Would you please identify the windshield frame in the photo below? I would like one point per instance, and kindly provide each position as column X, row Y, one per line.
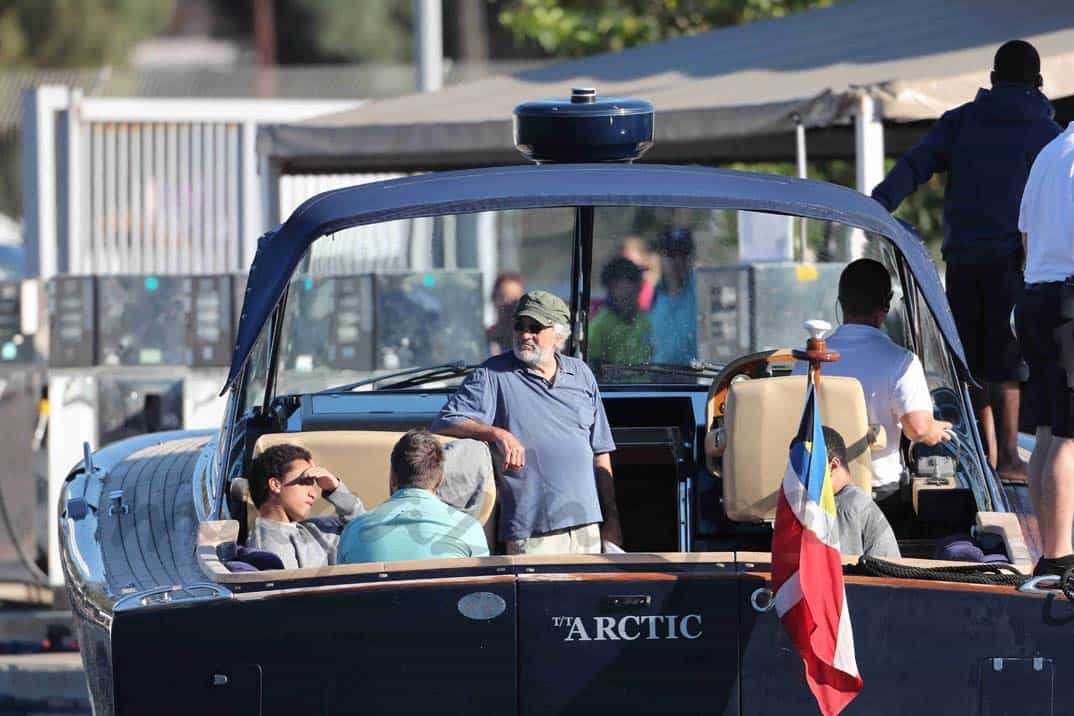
column 569, row 186
column 581, row 283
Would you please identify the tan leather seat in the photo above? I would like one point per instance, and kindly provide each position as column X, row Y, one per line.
column 761, row 417
column 360, row 458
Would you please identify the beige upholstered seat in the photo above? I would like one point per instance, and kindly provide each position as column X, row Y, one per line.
column 761, row 418
column 360, row 458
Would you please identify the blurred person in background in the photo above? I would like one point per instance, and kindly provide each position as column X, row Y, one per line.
column 506, row 291
column 674, row 313
column 620, row 333
column 637, row 250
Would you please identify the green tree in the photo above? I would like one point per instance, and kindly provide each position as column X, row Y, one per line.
column 574, row 28
column 76, row 33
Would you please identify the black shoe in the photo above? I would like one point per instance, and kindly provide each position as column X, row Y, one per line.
column 1054, row 565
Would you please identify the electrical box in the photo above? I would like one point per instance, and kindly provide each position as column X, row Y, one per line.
column 752, row 307
column 164, row 320
column 72, row 321
column 429, row 317
column 336, row 328
column 14, row 346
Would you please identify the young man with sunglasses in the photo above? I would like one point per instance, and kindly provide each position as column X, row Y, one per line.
column 284, row 485
column 542, row 412
column 896, row 393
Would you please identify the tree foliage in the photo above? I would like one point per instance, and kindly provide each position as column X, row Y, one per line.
column 76, row 33
column 343, row 30
column 573, row 28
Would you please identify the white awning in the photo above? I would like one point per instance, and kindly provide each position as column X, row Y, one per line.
column 723, row 95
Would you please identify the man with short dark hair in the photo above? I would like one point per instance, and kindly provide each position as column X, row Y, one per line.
column 414, row 523
column 284, row 484
column 619, row 333
column 542, row 412
column 987, row 147
column 896, row 394
column 863, row 529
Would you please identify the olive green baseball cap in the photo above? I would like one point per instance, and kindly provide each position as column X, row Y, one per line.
column 544, row 307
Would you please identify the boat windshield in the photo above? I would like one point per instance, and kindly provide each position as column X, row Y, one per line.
column 675, row 293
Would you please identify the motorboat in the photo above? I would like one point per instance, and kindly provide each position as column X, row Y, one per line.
column 342, row 359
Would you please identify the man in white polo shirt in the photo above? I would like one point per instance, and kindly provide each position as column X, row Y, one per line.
column 1046, row 333
column 896, row 393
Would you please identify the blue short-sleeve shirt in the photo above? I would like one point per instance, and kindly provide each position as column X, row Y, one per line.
column 562, row 425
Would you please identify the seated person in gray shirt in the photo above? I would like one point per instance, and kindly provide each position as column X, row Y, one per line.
column 284, row 484
column 863, row 529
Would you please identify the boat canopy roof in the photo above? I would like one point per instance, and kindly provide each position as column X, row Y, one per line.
column 566, row 185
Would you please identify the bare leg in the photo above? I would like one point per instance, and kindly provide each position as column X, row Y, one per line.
column 982, row 407
column 1057, row 497
column 1005, row 398
column 1037, row 461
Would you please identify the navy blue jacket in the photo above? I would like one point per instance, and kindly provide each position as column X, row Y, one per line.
column 987, row 147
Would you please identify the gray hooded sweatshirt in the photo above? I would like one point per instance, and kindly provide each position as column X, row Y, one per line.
column 311, row 542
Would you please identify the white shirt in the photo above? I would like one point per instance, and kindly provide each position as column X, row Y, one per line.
column 893, row 382
column 1047, row 213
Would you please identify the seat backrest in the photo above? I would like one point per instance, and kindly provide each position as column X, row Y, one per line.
column 761, row 417
column 361, row 458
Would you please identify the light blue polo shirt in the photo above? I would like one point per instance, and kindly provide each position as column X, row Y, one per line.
column 561, row 424
column 412, row 524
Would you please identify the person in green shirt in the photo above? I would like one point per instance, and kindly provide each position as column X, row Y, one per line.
column 414, row 523
column 619, row 333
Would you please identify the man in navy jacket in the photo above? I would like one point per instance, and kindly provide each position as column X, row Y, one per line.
column 987, row 147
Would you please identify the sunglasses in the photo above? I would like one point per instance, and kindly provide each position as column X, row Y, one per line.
column 524, row 326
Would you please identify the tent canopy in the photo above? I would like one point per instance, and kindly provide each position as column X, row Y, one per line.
column 723, row 95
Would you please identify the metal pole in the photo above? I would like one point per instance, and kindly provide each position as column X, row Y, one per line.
column 800, row 152
column 430, row 45
column 869, row 155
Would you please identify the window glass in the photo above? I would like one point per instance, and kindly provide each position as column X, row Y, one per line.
column 437, row 290
column 674, row 288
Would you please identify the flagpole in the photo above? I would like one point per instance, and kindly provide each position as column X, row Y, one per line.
column 816, row 351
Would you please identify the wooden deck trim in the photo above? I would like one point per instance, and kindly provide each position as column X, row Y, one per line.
column 212, row 534
column 476, row 581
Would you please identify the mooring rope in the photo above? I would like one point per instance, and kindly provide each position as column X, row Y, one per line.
column 988, row 573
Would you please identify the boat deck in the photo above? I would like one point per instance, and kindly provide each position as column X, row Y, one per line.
column 151, row 543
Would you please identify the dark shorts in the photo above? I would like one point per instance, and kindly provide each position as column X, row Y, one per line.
column 982, row 298
column 1047, row 394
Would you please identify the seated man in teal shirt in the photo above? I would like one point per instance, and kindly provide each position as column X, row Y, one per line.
column 414, row 523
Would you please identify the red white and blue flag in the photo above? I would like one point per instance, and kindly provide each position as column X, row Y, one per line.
column 807, row 570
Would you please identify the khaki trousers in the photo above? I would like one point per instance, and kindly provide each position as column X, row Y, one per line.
column 584, row 539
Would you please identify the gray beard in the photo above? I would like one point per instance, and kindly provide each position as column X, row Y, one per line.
column 533, row 358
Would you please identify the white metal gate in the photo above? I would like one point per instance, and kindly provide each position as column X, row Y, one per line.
column 146, row 185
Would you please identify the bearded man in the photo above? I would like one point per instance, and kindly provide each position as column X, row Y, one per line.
column 541, row 413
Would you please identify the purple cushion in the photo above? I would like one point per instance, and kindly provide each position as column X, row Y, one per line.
column 258, row 558
column 237, row 566
column 996, row 558
column 960, row 550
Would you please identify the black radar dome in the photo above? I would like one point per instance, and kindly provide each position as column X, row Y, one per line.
column 584, row 128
